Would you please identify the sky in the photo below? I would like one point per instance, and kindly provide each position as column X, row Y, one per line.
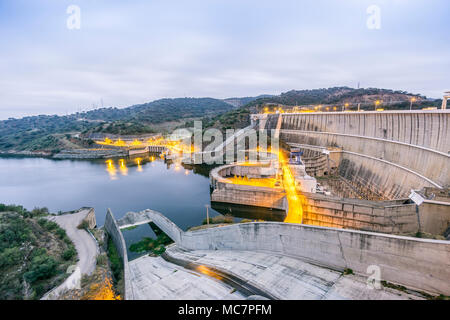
column 131, row 52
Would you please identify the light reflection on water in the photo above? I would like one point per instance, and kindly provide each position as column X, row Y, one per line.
column 125, row 184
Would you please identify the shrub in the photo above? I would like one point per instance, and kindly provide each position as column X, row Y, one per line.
column 39, row 212
column 51, row 226
column 115, row 260
column 10, row 256
column 42, row 267
column 102, row 260
column 83, row 225
column 61, row 233
column 219, row 219
column 69, row 253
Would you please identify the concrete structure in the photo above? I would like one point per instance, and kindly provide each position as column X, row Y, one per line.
column 116, row 235
column 444, row 100
column 156, row 279
column 286, row 278
column 90, row 153
column 226, row 192
column 137, row 150
column 398, row 216
column 418, row 264
column 393, row 150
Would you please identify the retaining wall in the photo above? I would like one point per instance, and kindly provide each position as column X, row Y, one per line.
column 430, row 129
column 114, row 232
column 419, row 264
column 415, row 263
column 429, row 163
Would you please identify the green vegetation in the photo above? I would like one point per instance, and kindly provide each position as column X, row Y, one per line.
column 156, row 246
column 219, row 219
column 340, row 95
column 348, row 271
column 129, row 228
column 115, row 261
column 124, row 128
column 34, row 253
column 84, row 225
column 52, row 133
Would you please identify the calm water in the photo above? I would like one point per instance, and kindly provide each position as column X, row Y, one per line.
column 123, row 185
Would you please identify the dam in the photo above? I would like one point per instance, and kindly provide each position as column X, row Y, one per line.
column 390, row 151
column 357, row 191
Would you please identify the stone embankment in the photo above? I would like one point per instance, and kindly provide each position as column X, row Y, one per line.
column 90, row 154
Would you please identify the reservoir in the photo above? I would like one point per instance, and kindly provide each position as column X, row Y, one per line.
column 123, row 185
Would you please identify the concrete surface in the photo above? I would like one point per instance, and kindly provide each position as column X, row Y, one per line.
column 156, row 279
column 419, row 264
column 85, row 244
column 116, row 235
column 288, row 278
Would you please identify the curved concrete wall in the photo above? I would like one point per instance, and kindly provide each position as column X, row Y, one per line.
column 114, row 232
column 146, row 216
column 415, row 263
column 385, row 179
column 417, row 141
column 415, row 158
column 430, row 129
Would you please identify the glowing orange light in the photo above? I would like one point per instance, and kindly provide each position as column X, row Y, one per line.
column 122, row 167
column 111, row 169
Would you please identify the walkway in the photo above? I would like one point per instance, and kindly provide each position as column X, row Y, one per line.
column 86, row 248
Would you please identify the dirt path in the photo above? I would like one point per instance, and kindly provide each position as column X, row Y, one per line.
column 86, row 248
column 83, row 241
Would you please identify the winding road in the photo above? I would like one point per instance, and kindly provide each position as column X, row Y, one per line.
column 85, row 245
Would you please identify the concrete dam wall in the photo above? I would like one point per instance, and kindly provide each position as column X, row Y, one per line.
column 419, row 264
column 392, row 151
column 393, row 217
column 114, row 232
column 415, row 263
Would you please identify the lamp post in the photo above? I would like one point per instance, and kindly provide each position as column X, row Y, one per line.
column 207, row 214
column 377, row 103
column 412, row 100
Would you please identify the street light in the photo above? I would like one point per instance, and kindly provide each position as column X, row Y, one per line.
column 346, row 106
column 207, row 213
column 377, row 103
column 412, row 100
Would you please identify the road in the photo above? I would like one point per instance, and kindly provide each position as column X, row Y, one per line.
column 86, row 248
column 83, row 241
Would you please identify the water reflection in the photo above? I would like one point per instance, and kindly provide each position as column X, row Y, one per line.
column 249, row 212
column 123, row 165
column 111, row 169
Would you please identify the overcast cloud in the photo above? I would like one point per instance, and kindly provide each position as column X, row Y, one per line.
column 129, row 52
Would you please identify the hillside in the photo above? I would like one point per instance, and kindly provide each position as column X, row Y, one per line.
column 34, row 253
column 51, row 133
column 337, row 96
column 340, row 95
column 239, row 102
column 40, row 133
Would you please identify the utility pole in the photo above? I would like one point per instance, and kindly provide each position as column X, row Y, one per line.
column 207, row 214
